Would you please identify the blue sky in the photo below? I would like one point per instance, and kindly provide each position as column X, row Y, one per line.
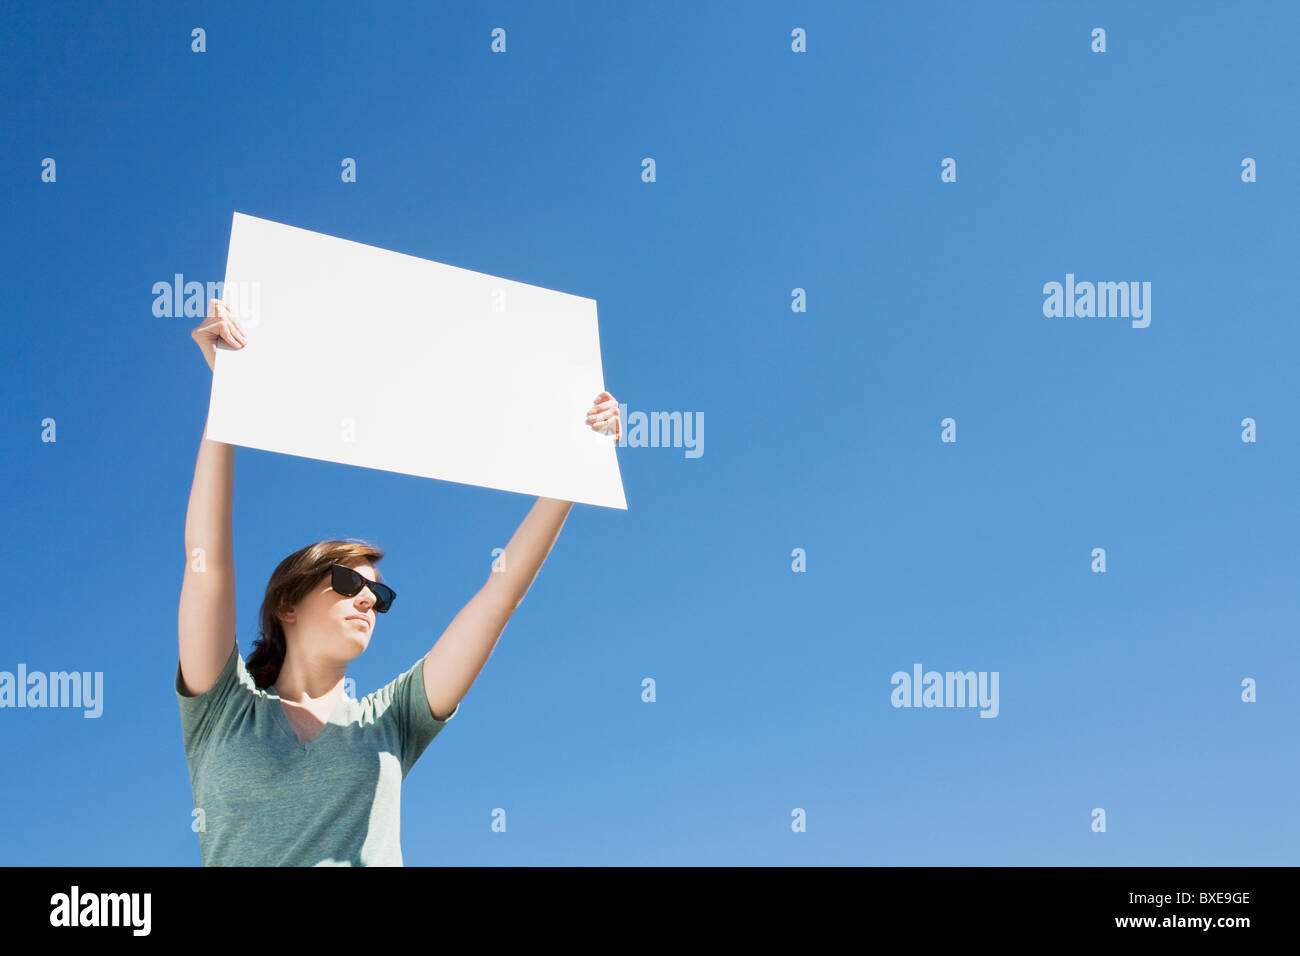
column 775, row 171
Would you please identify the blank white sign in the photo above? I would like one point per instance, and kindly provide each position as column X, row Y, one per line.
column 367, row 357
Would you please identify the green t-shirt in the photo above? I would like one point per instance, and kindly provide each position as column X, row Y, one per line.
column 269, row 800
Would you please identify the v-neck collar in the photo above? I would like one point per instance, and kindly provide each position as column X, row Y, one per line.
column 277, row 704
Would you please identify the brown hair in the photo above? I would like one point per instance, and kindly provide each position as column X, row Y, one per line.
column 293, row 579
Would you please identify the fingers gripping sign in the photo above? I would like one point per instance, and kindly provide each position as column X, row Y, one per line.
column 603, row 416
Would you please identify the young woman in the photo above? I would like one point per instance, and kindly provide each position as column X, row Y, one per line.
column 286, row 769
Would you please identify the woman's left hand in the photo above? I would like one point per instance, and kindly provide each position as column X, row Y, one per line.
column 603, row 416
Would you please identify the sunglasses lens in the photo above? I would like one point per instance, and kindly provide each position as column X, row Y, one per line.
column 349, row 582
column 345, row 581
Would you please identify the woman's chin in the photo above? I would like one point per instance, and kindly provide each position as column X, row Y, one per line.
column 357, row 643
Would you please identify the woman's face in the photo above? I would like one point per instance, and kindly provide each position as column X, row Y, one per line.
column 327, row 623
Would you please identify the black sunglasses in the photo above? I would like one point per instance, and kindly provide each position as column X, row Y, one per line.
column 349, row 582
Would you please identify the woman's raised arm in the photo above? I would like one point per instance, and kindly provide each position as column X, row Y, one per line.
column 207, row 606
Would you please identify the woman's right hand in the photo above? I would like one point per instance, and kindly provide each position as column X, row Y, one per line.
column 220, row 324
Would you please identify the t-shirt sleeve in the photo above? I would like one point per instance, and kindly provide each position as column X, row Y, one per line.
column 415, row 721
column 201, row 712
